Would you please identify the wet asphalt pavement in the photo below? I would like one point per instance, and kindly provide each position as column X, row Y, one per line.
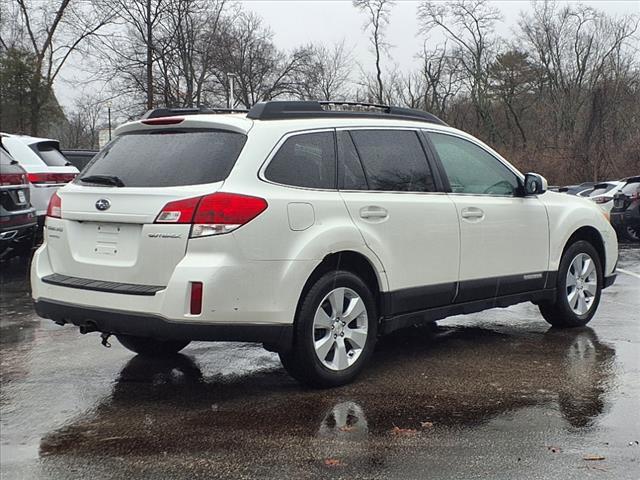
column 491, row 395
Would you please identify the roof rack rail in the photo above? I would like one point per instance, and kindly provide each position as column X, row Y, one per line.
column 174, row 112
column 281, row 110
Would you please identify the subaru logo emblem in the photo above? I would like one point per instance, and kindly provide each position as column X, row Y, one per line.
column 103, row 204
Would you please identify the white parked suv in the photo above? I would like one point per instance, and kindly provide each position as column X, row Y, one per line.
column 311, row 229
column 47, row 169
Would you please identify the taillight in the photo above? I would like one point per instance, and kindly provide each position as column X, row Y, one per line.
column 50, row 178
column 180, row 211
column 55, row 206
column 600, row 200
column 12, row 179
column 196, row 298
column 213, row 214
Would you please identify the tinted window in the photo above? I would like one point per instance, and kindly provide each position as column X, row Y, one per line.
column 49, row 153
column 5, row 159
column 307, row 160
column 393, row 160
column 350, row 173
column 471, row 169
column 169, row 158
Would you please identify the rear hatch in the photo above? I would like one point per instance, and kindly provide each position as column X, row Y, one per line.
column 107, row 231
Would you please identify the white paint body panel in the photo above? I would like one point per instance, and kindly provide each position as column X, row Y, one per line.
column 256, row 274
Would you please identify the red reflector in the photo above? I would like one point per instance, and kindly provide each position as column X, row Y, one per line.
column 12, row 179
column 229, row 209
column 180, row 211
column 163, row 121
column 196, row 298
column 55, row 206
column 50, row 178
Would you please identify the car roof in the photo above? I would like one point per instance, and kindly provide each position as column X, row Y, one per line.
column 29, row 140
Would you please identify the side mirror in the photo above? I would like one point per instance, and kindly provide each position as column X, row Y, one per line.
column 535, row 184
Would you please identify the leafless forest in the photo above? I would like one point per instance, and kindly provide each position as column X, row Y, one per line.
column 560, row 95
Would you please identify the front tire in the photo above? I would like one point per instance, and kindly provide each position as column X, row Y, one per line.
column 151, row 347
column 578, row 287
column 335, row 331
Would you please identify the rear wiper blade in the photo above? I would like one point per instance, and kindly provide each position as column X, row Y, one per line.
column 103, row 179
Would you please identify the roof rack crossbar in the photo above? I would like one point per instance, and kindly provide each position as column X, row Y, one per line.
column 174, row 112
column 282, row 110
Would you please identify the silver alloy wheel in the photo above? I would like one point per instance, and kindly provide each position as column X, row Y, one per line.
column 633, row 233
column 340, row 328
column 582, row 283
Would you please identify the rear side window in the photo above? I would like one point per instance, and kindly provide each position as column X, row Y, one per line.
column 169, row 158
column 306, row 160
column 49, row 153
column 393, row 160
column 350, row 173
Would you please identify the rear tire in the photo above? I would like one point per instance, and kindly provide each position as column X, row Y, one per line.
column 151, row 347
column 334, row 332
column 578, row 287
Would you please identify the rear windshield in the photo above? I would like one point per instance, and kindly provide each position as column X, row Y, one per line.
column 631, row 188
column 49, row 153
column 169, row 158
column 600, row 190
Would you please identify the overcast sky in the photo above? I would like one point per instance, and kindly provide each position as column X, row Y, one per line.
column 297, row 22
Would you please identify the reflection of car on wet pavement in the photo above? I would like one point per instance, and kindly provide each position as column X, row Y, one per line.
column 283, row 225
column 509, row 371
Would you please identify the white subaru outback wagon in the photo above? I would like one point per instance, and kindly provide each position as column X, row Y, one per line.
column 312, row 228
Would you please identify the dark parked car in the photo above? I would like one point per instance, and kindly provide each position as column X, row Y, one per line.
column 79, row 158
column 625, row 214
column 17, row 216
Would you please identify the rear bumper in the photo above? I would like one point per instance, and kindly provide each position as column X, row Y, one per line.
column 278, row 337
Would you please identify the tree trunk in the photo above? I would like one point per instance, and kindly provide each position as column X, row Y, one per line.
column 149, row 58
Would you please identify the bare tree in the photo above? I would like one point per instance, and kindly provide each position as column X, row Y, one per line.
column 262, row 72
column 327, row 74
column 469, row 24
column 52, row 33
column 378, row 15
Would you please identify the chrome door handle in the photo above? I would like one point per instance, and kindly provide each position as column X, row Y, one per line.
column 472, row 213
column 373, row 212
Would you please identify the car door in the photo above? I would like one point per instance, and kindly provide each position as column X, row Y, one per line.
column 389, row 189
column 504, row 236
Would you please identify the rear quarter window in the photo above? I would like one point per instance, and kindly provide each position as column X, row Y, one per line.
column 306, row 160
column 169, row 158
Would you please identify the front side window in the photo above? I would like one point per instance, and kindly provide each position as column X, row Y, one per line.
column 307, row 160
column 393, row 160
column 471, row 169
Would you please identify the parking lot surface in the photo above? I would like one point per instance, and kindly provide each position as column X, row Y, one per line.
column 491, row 395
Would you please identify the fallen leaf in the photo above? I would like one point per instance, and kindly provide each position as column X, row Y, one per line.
column 426, row 424
column 403, row 431
column 332, row 462
column 347, row 428
column 593, row 457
